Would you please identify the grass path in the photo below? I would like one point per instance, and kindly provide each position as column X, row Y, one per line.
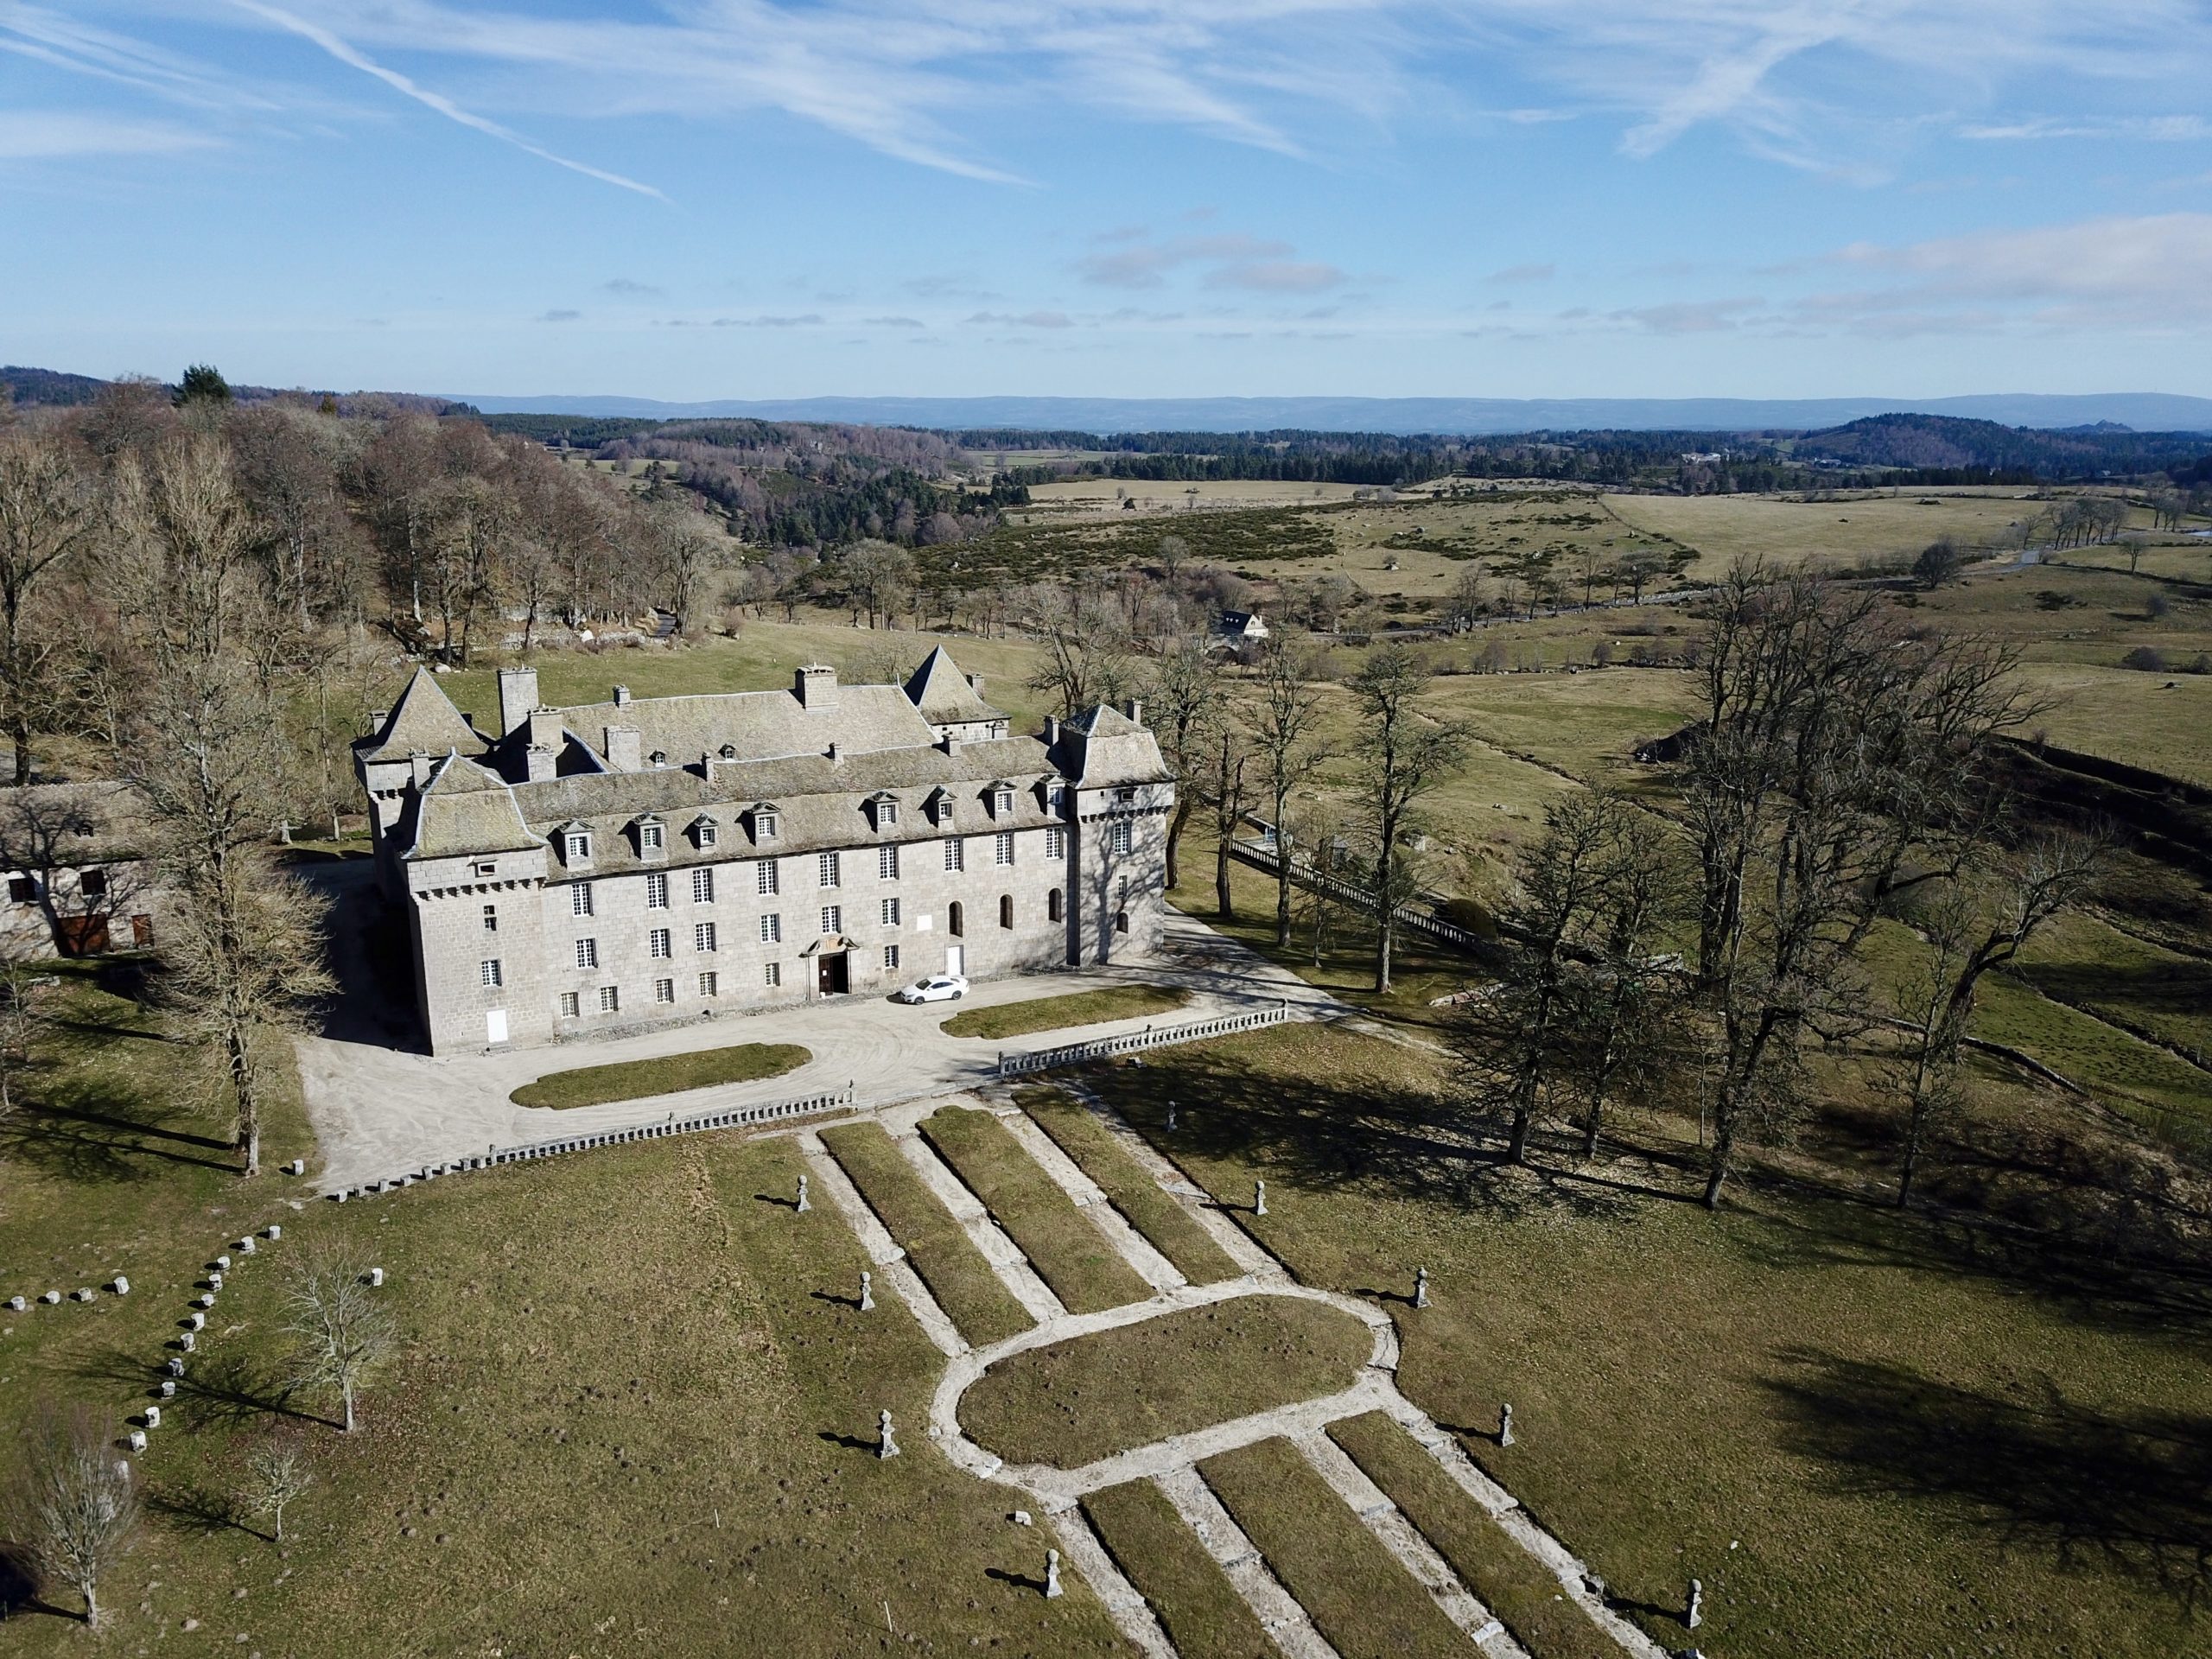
column 668, row 1074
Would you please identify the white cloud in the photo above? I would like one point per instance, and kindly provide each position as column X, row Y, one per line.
column 2156, row 129
column 2118, row 270
column 1278, row 276
column 39, row 134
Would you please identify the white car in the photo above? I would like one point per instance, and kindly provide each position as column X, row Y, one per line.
column 938, row 987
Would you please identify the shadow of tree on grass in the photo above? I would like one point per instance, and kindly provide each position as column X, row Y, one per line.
column 2129, row 1491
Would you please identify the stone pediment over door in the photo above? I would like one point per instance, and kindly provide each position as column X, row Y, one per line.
column 832, row 942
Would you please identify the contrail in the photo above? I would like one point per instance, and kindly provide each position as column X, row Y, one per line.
column 445, row 106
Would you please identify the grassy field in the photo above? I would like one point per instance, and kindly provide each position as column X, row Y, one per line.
column 1166, row 1226
column 1078, row 1009
column 1916, row 1436
column 634, row 1411
column 1074, row 1258
column 949, row 1264
column 2161, row 722
column 1073, row 1403
column 1359, row 1598
column 1194, row 1599
column 706, row 1068
column 1504, row 1577
column 1866, row 526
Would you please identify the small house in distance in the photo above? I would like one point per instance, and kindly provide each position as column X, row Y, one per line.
column 1239, row 628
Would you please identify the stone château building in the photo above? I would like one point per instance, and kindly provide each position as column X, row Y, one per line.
column 653, row 859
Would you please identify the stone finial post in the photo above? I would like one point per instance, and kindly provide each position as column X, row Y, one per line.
column 1259, row 1198
column 1052, row 1590
column 805, row 1202
column 885, row 1446
column 1421, row 1287
column 1171, row 1118
column 1505, row 1425
column 1694, row 1615
column 867, row 1291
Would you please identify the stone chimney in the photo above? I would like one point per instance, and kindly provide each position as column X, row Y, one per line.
column 624, row 748
column 545, row 731
column 836, row 756
column 419, row 764
column 543, row 763
column 621, row 696
column 1133, row 707
column 1052, row 730
column 815, row 688
column 377, row 718
column 976, row 684
column 952, row 744
column 518, row 697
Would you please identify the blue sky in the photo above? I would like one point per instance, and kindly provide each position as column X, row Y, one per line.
column 749, row 197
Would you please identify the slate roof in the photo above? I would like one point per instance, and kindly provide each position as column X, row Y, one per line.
column 466, row 809
column 756, row 723
column 422, row 722
column 1103, row 746
column 941, row 691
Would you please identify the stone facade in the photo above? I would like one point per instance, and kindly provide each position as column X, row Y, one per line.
column 647, row 860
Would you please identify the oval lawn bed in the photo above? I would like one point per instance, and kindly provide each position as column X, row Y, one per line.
column 1073, row 1403
column 666, row 1074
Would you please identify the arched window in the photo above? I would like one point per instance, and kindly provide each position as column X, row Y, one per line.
column 1120, row 921
column 1005, row 910
column 953, row 920
column 1052, row 910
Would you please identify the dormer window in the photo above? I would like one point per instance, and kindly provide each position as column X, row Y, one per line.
column 884, row 810
column 1002, row 800
column 942, row 810
column 705, row 832
column 1057, row 797
column 650, row 836
column 660, row 757
column 767, row 821
column 577, row 847
column 729, row 751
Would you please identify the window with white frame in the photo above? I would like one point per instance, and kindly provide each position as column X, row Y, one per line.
column 489, row 972
column 703, row 886
column 586, row 953
column 610, row 999
column 1056, row 842
column 886, row 814
column 826, row 869
column 656, row 892
column 833, row 919
column 1003, row 847
column 572, row 1006
column 702, row 936
column 579, row 899
column 943, row 805
column 663, row 990
column 578, row 847
column 771, row 929
column 649, row 837
column 1003, row 804
column 891, row 912
column 772, row 975
column 764, row 826
column 710, row 985
column 765, row 873
column 1120, row 835
column 484, row 867
column 891, row 957
column 491, row 918
column 886, row 863
column 1057, row 798
column 656, row 946
column 955, row 858
column 708, row 833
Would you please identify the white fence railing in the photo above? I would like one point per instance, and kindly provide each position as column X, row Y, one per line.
column 1044, row 1059
column 1262, row 854
column 732, row 1117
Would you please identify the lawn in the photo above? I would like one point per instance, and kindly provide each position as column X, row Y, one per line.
column 669, row 1074
column 1071, row 1256
column 1821, row 533
column 1505, row 1578
column 634, row 1411
column 972, row 1296
column 1358, row 1595
column 1185, row 1588
column 1076, row 1008
column 1156, row 1214
column 1867, row 1434
column 1072, row 1403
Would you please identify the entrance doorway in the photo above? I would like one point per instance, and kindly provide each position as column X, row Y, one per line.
column 829, row 974
column 952, row 959
column 495, row 1026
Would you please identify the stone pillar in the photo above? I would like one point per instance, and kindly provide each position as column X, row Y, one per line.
column 867, row 1292
column 1052, row 1590
column 1421, row 1287
column 885, row 1446
column 1505, row 1425
column 1259, row 1198
column 804, row 1204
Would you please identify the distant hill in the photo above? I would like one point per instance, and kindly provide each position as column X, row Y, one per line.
column 2145, row 411
column 1930, row 441
column 47, row 385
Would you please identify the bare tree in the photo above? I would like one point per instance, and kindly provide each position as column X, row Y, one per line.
column 71, row 1505
column 1981, row 920
column 1286, row 720
column 277, row 1476
column 47, row 516
column 1228, row 756
column 1087, row 656
column 1402, row 754
column 1185, row 688
column 688, row 547
column 346, row 1335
